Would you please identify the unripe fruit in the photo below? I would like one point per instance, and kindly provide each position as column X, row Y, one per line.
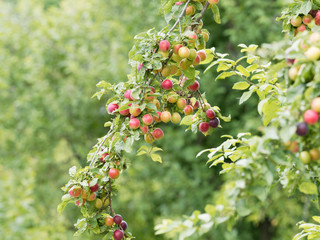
column 164, row 45
column 204, row 127
column 176, row 118
column 213, row 1
column 114, row 173
column 94, row 188
column 108, row 221
column 105, row 201
column 174, row 69
column 166, row 71
column 134, row 123
column 313, row 53
column 124, row 225
column 91, row 197
column 188, row 110
column 157, row 133
column 176, row 58
column 75, row 191
column 164, row 54
column 315, row 154
column 195, row 86
column 293, row 72
column 311, row 116
column 147, row 119
column 84, row 194
column 184, row 52
column 214, row 123
column 157, row 103
column 98, row 204
column 148, row 138
column 193, row 37
column 294, row 147
column 202, row 55
column 135, row 110
column 210, row 113
column 315, row 105
column 117, row 219
column 195, row 105
column 190, row 10
column 305, row 157
column 205, row 36
column 118, row 234
column 167, row 84
column 144, row 129
column 185, row 64
column 172, row 98
column 176, row 48
column 192, row 54
column 302, row 129
column 165, row 116
column 181, row 103
column 296, row 22
column 112, row 107
column 158, row 117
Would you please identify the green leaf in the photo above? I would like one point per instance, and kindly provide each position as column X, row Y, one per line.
column 223, row 67
column 225, row 75
column 156, row 157
column 316, row 218
column 61, row 207
column 243, row 71
column 308, row 188
column 241, row 86
column 187, row 120
column 245, row 96
column 216, row 13
column 189, row 73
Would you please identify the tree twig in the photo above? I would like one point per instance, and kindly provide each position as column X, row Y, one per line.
column 204, row 9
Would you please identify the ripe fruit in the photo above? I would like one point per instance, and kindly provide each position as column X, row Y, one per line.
column 82, row 203
column 167, row 84
column 184, row 52
column 213, row 1
column 98, row 204
column 210, row 113
column 315, row 154
column 176, row 118
column 315, row 105
column 157, row 133
column 195, row 105
column 214, row 123
column 301, row 28
column 193, row 37
column 202, row 55
column 134, row 123
column 144, row 129
column 124, row 225
column 313, row 53
column 311, row 116
column 307, row 19
column 75, row 191
column 84, row 194
column 135, row 110
column 147, row 119
column 108, row 221
column 317, row 18
column 165, row 116
column 103, row 157
column 190, row 10
column 140, row 66
column 91, row 197
column 195, row 86
column 204, row 127
column 118, row 234
column 112, row 107
column 94, row 188
column 127, row 95
column 181, row 103
column 124, row 112
column 294, row 147
column 164, row 45
column 157, row 118
column 188, row 110
column 117, row 219
column 114, row 173
column 176, row 48
column 157, row 103
column 296, row 21
column 305, row 157
column 196, row 61
column 302, row 129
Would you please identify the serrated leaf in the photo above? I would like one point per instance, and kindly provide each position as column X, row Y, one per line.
column 241, row 85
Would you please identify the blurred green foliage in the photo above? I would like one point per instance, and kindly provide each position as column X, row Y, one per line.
column 52, row 53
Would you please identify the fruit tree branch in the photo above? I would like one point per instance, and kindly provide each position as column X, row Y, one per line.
column 205, row 7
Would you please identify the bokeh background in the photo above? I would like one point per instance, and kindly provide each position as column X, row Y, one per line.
column 52, row 54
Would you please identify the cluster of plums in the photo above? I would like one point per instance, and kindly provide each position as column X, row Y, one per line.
column 300, row 23
column 117, row 220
